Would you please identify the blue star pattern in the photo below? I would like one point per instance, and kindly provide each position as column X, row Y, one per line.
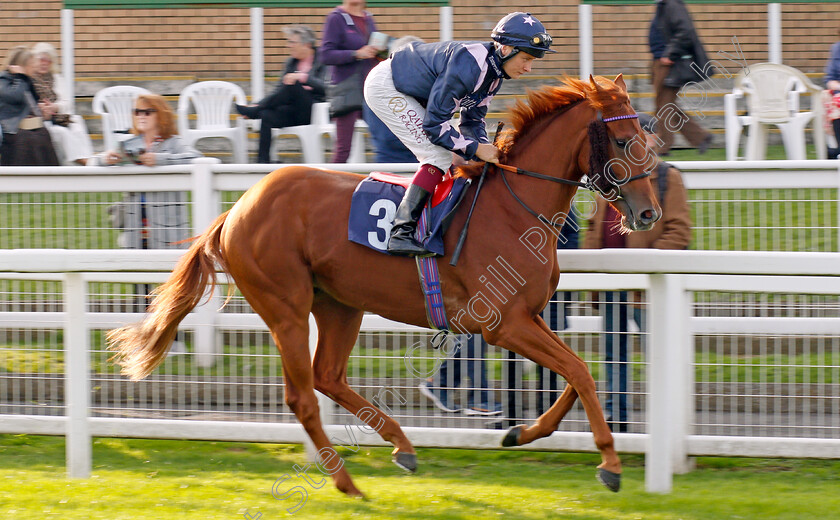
column 460, row 143
column 530, row 21
column 452, row 77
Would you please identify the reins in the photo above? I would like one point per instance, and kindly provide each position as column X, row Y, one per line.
column 590, row 184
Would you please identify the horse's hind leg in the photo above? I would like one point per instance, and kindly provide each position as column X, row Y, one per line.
column 338, row 328
column 284, row 301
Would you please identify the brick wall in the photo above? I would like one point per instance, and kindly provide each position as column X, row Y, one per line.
column 808, row 30
column 214, row 42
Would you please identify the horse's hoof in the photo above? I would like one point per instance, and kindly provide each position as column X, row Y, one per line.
column 407, row 461
column 512, row 436
column 609, row 479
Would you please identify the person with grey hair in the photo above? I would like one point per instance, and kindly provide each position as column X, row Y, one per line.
column 68, row 131
column 25, row 140
column 302, row 83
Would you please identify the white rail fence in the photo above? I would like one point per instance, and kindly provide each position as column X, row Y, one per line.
column 676, row 404
column 761, row 205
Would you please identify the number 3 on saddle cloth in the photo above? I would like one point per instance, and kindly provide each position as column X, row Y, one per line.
column 372, row 211
column 375, row 202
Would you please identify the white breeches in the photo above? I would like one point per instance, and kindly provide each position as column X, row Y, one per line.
column 404, row 115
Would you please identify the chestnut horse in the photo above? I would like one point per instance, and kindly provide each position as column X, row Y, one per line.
column 285, row 245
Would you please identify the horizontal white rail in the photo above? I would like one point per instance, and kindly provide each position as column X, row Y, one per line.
column 649, row 261
column 667, row 276
column 698, row 445
column 233, row 177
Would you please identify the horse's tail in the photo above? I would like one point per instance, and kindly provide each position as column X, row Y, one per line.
column 140, row 347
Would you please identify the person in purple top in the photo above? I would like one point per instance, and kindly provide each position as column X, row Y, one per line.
column 832, row 84
column 418, row 90
column 344, row 46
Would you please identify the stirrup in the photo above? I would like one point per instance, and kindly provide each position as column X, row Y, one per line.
column 401, row 245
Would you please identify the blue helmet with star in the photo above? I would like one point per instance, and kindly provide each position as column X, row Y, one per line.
column 524, row 33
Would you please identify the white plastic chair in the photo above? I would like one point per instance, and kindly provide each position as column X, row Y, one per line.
column 357, row 147
column 310, row 136
column 114, row 105
column 771, row 92
column 213, row 104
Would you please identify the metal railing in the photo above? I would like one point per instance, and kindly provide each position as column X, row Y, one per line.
column 758, row 205
column 686, row 390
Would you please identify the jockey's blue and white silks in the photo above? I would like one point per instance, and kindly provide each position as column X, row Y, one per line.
column 445, row 78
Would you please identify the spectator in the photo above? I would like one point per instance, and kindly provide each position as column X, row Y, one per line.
column 673, row 231
column 154, row 220
column 671, row 37
column 470, row 357
column 386, row 146
column 301, row 85
column 69, row 132
column 347, row 30
column 418, row 90
column 832, row 85
column 25, row 142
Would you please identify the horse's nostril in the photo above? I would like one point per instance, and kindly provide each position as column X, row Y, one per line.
column 647, row 216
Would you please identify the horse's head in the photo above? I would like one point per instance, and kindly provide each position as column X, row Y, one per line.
column 619, row 160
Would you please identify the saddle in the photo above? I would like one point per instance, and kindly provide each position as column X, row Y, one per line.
column 375, row 202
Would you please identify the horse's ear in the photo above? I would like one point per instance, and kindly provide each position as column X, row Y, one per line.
column 619, row 80
column 594, row 83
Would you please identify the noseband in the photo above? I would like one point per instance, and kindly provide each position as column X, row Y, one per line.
column 598, row 162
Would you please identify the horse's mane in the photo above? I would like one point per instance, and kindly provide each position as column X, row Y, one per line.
column 547, row 100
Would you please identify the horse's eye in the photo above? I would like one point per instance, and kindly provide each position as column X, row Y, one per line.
column 621, row 143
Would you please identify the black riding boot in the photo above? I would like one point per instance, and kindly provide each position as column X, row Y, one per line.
column 402, row 241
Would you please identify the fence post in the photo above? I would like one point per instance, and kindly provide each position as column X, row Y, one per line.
column 774, row 33
column 667, row 403
column 68, row 57
column 446, row 16
column 257, row 55
column 205, row 201
column 837, row 207
column 585, row 40
column 76, row 377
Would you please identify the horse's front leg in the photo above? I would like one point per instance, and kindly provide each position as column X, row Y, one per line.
column 547, row 423
column 531, row 338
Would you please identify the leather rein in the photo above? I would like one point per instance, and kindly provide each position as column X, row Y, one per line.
column 589, row 184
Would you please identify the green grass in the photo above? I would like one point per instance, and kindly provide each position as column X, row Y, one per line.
column 370, row 362
column 153, row 479
column 774, row 152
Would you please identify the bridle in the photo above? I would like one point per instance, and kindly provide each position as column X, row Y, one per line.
column 591, row 179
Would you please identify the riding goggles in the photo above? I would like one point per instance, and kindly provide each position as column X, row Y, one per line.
column 536, row 41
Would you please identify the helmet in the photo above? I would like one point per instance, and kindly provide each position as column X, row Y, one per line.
column 524, row 33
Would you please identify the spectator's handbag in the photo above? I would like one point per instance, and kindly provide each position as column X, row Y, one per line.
column 831, row 102
column 346, row 96
column 61, row 119
column 116, row 212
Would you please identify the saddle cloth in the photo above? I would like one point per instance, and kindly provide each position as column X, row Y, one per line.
column 375, row 202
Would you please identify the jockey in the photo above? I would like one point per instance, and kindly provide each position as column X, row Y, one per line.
column 420, row 87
